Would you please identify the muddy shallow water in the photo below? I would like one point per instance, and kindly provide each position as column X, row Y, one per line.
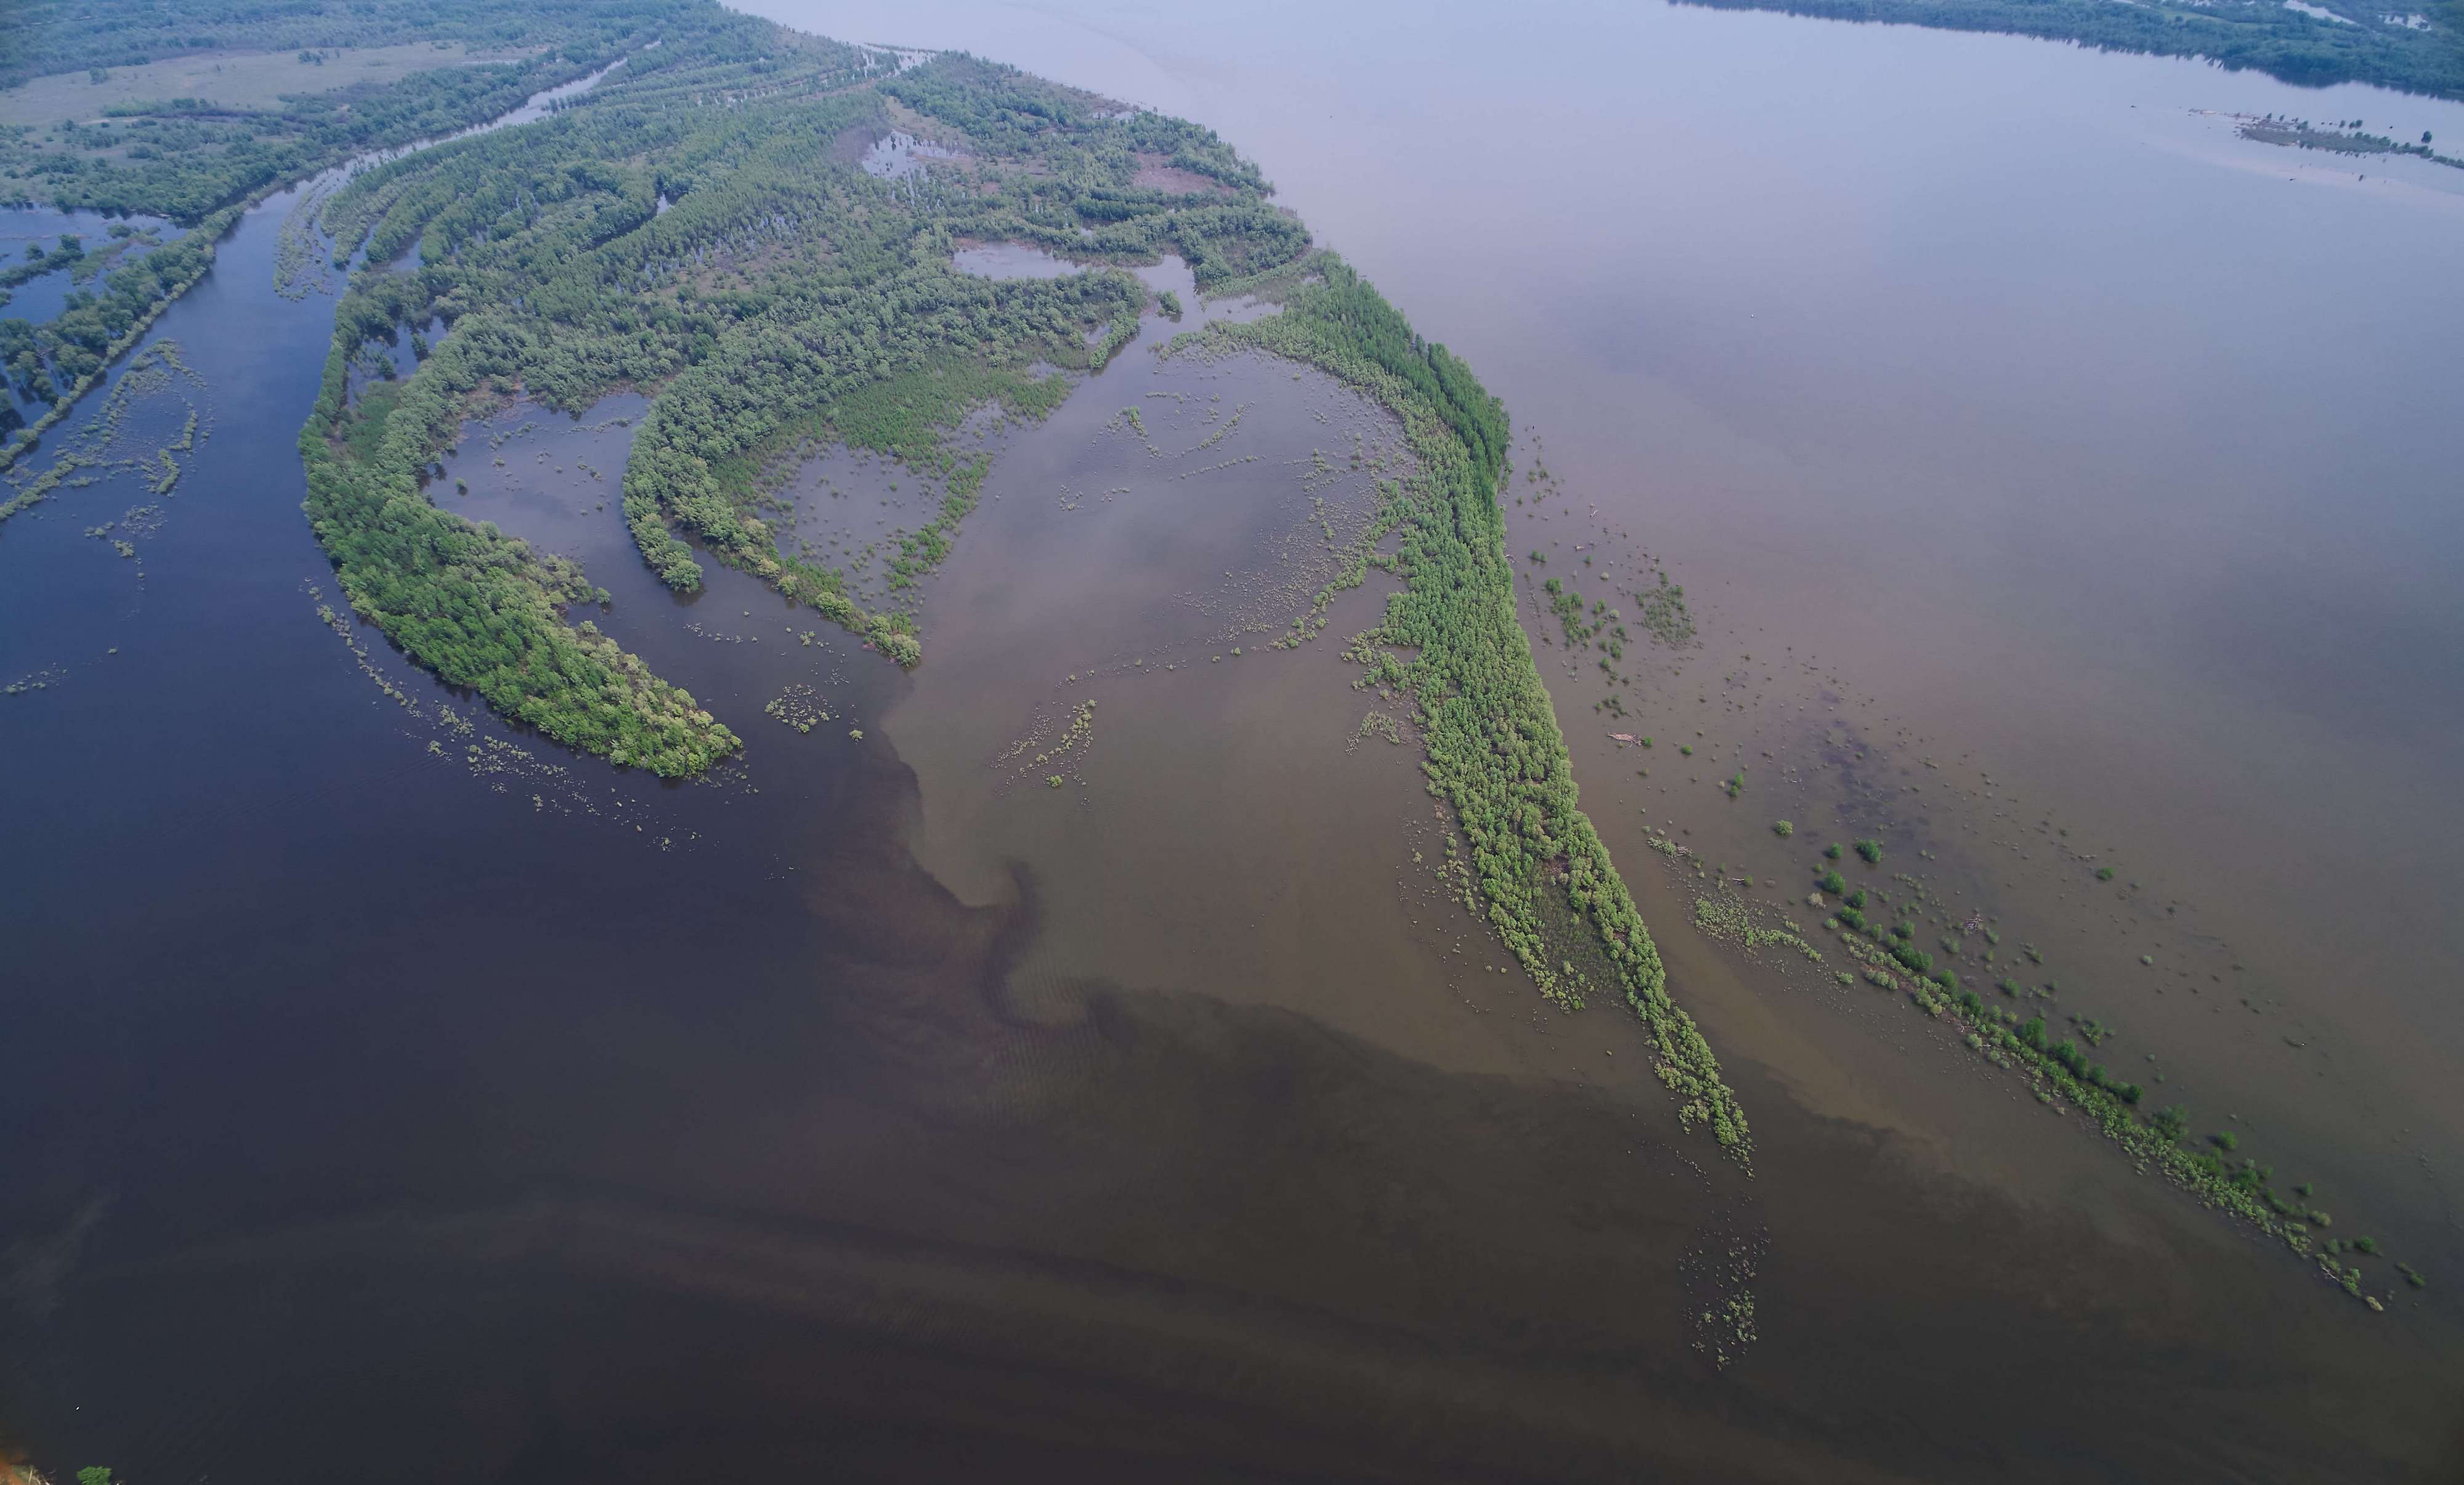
column 404, row 1091
column 2012, row 404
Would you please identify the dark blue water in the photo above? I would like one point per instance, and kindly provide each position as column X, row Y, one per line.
column 42, row 298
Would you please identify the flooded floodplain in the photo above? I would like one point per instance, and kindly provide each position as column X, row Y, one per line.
column 2049, row 503
column 1074, row 1053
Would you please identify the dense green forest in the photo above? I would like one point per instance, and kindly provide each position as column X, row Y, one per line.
column 77, row 36
column 186, row 157
column 2415, row 48
column 198, row 163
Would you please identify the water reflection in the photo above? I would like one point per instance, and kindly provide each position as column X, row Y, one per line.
column 1015, row 261
column 896, row 156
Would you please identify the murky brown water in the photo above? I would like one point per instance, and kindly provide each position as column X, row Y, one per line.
column 2048, row 492
column 882, row 1110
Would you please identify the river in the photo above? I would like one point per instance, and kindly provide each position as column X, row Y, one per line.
column 402, row 1097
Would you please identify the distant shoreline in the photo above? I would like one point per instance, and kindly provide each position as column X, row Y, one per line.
column 2406, row 53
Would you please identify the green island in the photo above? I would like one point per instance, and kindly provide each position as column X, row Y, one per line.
column 784, row 296
column 66, row 357
column 2408, row 48
column 2340, row 137
column 699, row 227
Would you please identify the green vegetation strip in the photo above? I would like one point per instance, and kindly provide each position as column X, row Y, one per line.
column 2061, row 1070
column 78, row 346
column 479, row 608
column 1495, row 754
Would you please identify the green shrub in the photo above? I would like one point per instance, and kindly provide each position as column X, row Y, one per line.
column 1871, row 851
column 1782, row 828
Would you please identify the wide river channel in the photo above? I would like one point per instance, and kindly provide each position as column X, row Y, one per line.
column 1069, row 1060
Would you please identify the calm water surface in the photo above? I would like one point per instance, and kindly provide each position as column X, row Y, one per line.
column 398, row 1096
column 2011, row 415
